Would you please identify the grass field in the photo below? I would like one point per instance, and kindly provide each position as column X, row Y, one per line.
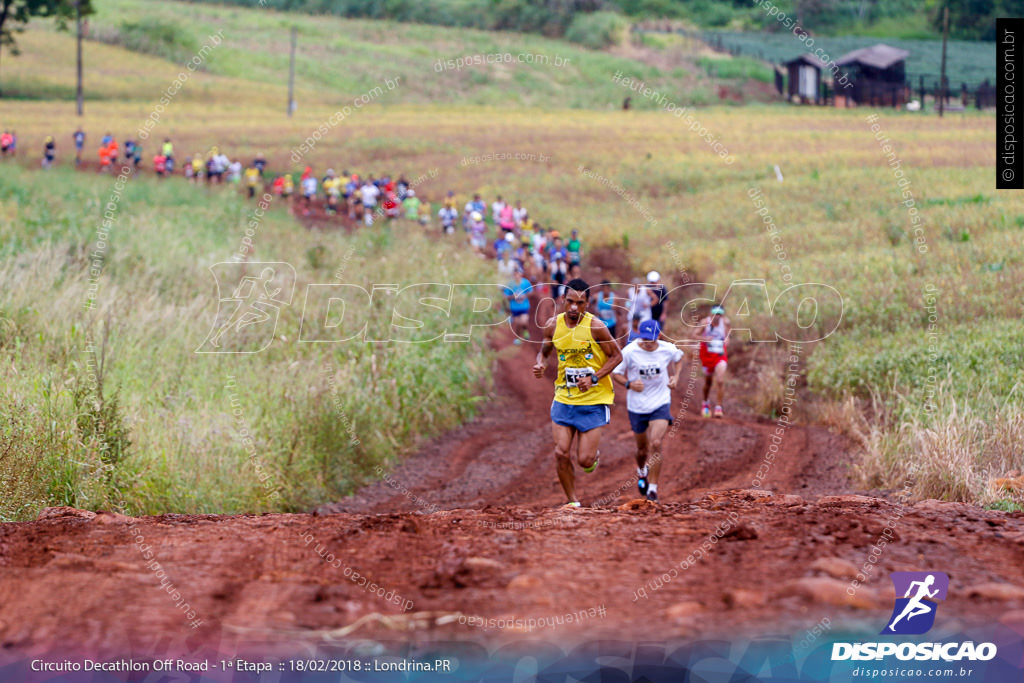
column 113, row 398
column 937, row 398
column 336, row 60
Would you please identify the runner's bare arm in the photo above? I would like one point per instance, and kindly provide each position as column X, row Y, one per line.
column 674, row 368
column 546, row 347
column 611, row 350
column 619, row 374
column 701, row 332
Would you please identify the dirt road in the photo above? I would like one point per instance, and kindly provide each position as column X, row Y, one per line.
column 464, row 542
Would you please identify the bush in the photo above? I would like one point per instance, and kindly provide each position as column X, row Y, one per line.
column 712, row 14
column 22, row 455
column 152, row 37
column 598, row 30
column 43, row 463
column 99, row 418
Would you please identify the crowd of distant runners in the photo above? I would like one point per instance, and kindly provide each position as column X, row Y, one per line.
column 535, row 262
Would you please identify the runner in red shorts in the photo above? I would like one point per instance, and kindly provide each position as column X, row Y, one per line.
column 713, row 333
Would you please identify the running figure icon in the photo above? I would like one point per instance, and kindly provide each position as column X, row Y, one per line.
column 916, row 606
column 917, row 601
column 253, row 304
column 248, row 306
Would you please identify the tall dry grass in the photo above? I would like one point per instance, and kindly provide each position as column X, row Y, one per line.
column 111, row 406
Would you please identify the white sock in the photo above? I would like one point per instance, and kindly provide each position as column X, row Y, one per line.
column 652, row 488
column 641, row 471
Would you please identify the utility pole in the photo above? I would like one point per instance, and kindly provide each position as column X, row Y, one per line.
column 942, row 76
column 291, row 74
column 79, row 98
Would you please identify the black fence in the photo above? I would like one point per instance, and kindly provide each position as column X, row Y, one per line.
column 880, row 94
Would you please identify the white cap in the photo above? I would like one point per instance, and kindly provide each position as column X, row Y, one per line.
column 476, row 216
column 509, row 237
column 410, row 193
column 653, row 276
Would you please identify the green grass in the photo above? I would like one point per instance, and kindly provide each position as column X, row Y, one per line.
column 909, row 27
column 737, row 67
column 338, row 59
column 321, row 416
column 131, row 41
column 554, row 18
column 1006, row 505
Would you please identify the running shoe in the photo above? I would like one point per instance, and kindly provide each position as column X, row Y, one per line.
column 705, row 410
column 593, row 467
column 718, row 411
column 641, row 483
column 652, row 496
column 572, row 505
column 517, row 341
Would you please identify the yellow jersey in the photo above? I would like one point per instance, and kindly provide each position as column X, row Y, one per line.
column 579, row 354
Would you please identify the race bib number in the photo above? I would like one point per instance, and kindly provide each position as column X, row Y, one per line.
column 649, row 371
column 716, row 346
column 574, row 375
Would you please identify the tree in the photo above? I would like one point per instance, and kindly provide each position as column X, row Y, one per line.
column 974, row 19
column 15, row 14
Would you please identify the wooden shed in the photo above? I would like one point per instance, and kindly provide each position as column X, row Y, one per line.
column 804, row 79
column 877, row 77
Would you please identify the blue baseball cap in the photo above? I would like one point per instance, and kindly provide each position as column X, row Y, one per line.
column 649, row 329
column 717, row 310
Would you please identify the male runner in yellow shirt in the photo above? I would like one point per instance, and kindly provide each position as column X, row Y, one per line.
column 587, row 354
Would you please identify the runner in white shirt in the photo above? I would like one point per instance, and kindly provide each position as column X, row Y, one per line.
column 519, row 214
column 649, row 370
column 448, row 216
column 309, row 185
column 369, row 193
column 497, row 206
column 640, row 301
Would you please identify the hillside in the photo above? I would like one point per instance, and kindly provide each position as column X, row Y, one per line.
column 337, row 59
column 550, row 17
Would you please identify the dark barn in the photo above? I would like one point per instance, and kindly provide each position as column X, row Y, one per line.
column 877, row 75
column 804, row 79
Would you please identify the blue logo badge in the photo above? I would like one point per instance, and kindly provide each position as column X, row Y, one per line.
column 914, row 612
